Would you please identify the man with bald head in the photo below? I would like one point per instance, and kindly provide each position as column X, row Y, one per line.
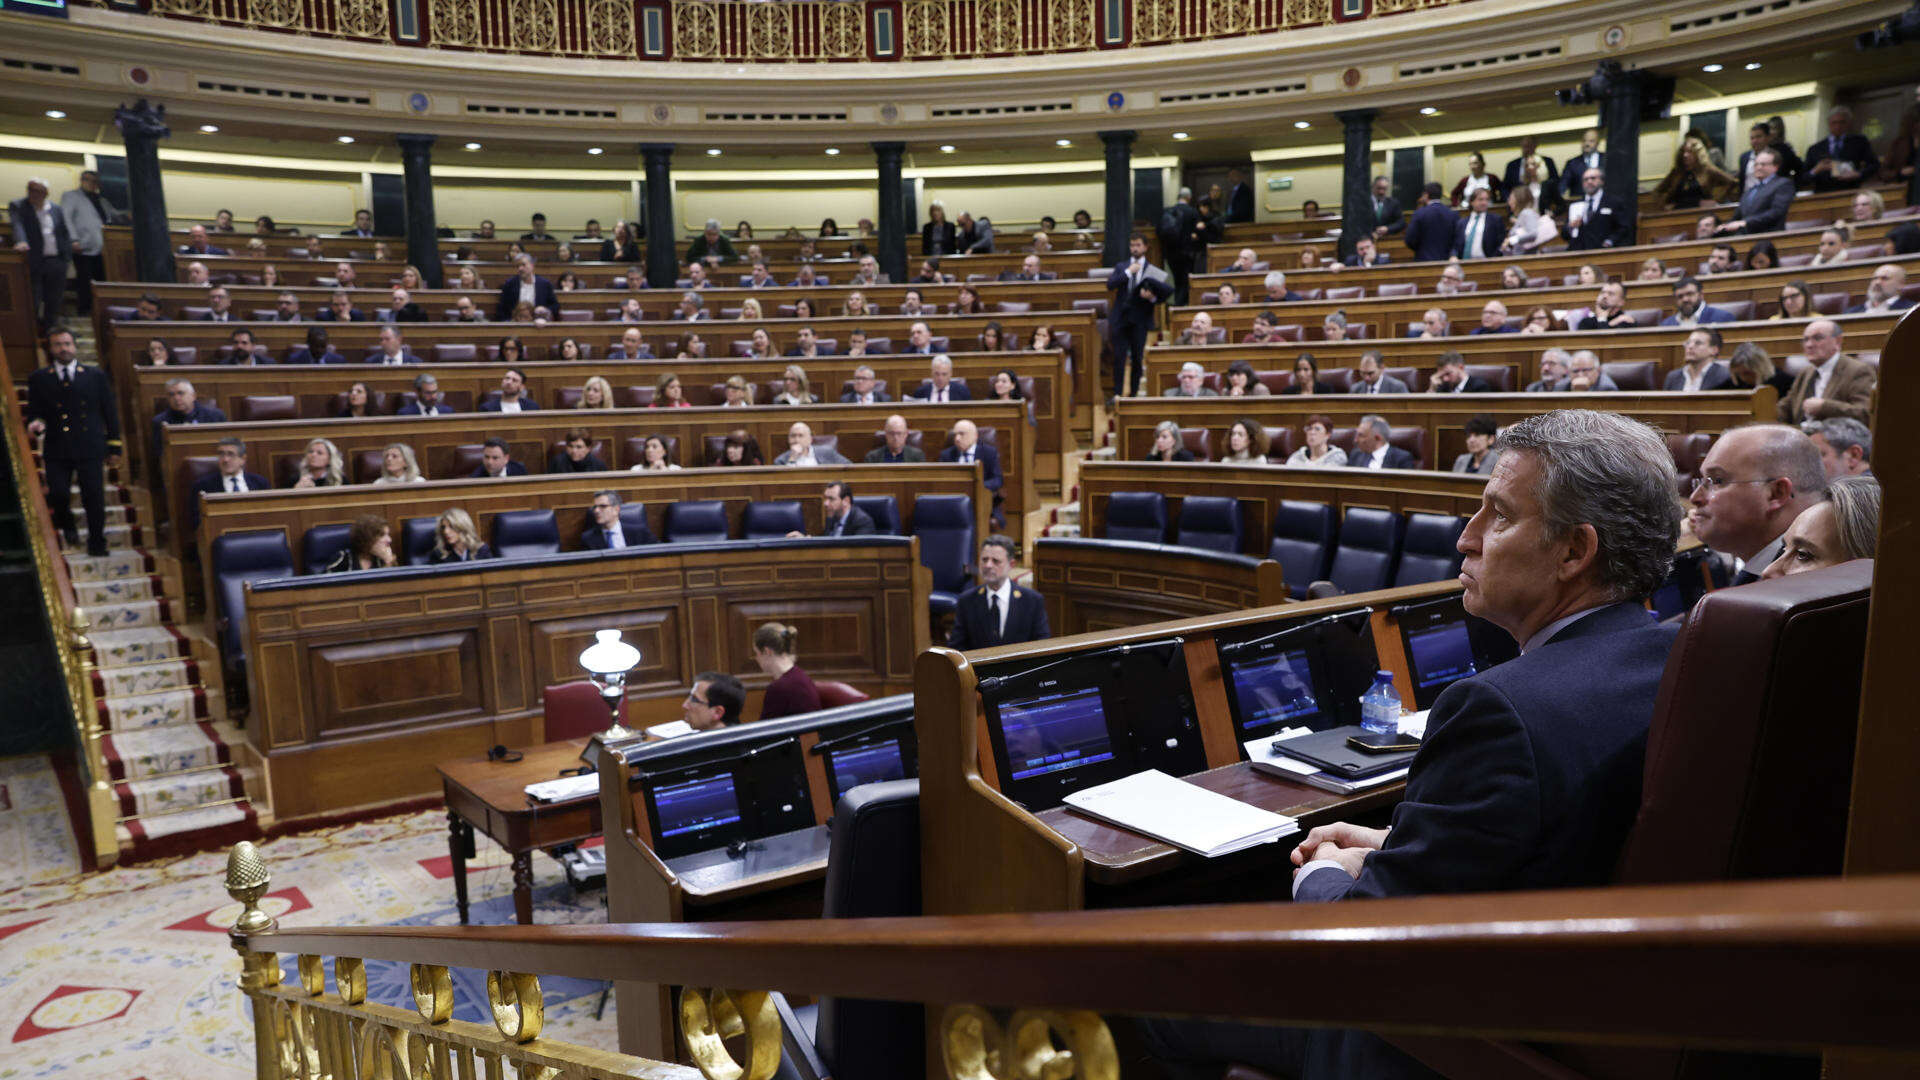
column 1883, row 292
column 1753, row 483
column 1833, row 384
column 893, row 449
column 967, row 448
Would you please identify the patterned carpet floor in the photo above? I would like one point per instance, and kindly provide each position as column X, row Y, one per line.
column 127, row 974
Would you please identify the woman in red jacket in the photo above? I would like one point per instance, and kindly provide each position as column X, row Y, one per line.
column 792, row 690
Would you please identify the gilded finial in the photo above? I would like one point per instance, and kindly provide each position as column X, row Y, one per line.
column 247, row 880
column 79, row 623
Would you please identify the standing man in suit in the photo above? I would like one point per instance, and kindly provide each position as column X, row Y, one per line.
column 40, row 233
column 1371, row 447
column 1387, row 218
column 1766, row 200
column 996, row 611
column 1753, row 483
column 72, row 406
column 1832, row 384
column 940, row 386
column 1239, row 196
column 1843, row 159
column 1138, row 287
column 1479, row 234
column 1516, row 169
column 838, row 515
column 231, row 477
column 1599, row 223
column 1589, row 157
column 362, row 224
column 1373, row 380
column 1430, row 233
column 1177, row 225
column 608, row 532
column 88, row 214
column 1703, row 369
column 528, row 286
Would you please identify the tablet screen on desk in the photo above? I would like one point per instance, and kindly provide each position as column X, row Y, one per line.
column 1052, row 743
column 694, row 810
column 1440, row 655
column 1273, row 691
column 1444, row 644
column 850, row 766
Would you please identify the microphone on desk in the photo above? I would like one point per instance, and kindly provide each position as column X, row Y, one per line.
column 1233, row 647
column 996, row 682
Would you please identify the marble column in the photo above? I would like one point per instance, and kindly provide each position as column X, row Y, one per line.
column 142, row 126
column 1356, row 178
column 663, row 256
column 423, row 239
column 1118, row 222
column 892, row 223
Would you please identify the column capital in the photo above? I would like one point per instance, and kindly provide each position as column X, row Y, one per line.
column 413, row 142
column 142, row 120
column 1350, row 117
column 1121, row 137
column 888, row 147
column 657, row 149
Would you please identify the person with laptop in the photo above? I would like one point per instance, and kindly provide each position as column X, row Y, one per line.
column 1529, row 774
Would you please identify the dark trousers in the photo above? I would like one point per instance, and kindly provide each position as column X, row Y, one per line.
column 87, row 269
column 1180, row 266
column 1129, row 356
column 93, row 497
column 1202, row 1049
column 49, row 290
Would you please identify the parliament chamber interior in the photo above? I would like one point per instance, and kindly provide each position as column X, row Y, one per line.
column 1023, row 664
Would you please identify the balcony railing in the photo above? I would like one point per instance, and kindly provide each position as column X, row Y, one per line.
column 784, row 31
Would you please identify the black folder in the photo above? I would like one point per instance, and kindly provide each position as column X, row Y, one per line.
column 1329, row 750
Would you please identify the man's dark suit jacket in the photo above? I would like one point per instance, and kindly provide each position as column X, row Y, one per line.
column 81, row 420
column 1764, row 208
column 1716, row 378
column 1604, row 230
column 514, row 468
column 1854, row 148
column 212, row 249
column 1790, row 166
column 989, row 460
column 595, row 538
column 1528, row 778
column 412, row 408
column 1490, row 237
column 1240, row 203
column 823, row 350
column 1501, row 329
column 410, row 313
column 1396, row 459
column 1899, row 304
column 543, row 296
column 1132, row 310
column 563, row 462
column 955, row 392
column 1026, row 620
column 1430, row 233
column 1389, row 215
column 1573, row 180
column 851, row 396
column 214, row 484
column 527, row 404
column 908, row 455
column 1474, row 384
column 325, row 314
column 26, row 229
column 202, row 413
column 859, row 523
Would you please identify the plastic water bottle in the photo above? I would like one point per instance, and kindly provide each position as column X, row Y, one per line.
column 1380, row 706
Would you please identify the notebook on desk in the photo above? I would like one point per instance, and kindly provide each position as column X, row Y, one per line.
column 1185, row 815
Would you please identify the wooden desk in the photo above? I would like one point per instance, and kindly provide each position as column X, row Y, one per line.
column 491, row 796
column 1092, row 584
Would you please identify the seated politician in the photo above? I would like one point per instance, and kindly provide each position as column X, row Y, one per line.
column 893, row 448
column 1529, row 773
column 838, row 515
column 714, row 701
column 995, row 611
column 607, row 531
column 496, row 461
column 456, row 540
column 232, row 476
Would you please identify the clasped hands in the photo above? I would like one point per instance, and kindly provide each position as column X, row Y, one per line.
column 1340, row 843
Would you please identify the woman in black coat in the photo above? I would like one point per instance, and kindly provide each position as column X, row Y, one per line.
column 937, row 237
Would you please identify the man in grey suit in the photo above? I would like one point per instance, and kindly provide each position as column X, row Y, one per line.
column 1584, row 376
column 88, row 214
column 1553, row 368
column 801, row 451
column 1764, row 205
column 40, row 233
column 1372, row 380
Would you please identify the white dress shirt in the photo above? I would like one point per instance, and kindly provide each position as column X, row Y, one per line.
column 236, row 483
column 1476, row 226
column 49, row 243
column 529, row 292
column 1693, row 381
column 1004, row 594
column 509, row 406
column 1378, row 459
column 1821, row 375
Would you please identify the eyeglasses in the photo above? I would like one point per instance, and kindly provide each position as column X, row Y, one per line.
column 1716, row 483
column 700, row 702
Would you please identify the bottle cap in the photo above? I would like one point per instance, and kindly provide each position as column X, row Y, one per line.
column 1380, row 675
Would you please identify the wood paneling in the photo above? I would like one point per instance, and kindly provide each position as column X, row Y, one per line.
column 16, row 314
column 1094, row 588
column 336, row 693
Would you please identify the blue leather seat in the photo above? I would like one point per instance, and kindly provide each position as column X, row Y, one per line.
column 416, row 540
column 1211, row 523
column 1427, row 551
column 696, row 521
column 944, row 524
column 239, row 557
column 1302, row 543
column 633, row 520
column 520, row 534
column 772, row 520
column 320, row 545
column 884, row 510
column 873, row 872
column 1137, row 515
column 1369, row 544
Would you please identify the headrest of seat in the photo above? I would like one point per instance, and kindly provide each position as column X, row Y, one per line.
column 1369, row 527
column 320, row 545
column 525, row 532
column 416, row 539
column 1433, row 534
column 942, row 512
column 251, row 550
column 1304, row 520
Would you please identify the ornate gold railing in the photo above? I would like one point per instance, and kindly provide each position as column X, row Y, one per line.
column 69, row 625
column 735, row 31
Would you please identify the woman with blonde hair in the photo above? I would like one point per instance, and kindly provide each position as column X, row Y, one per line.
column 1844, row 525
column 456, row 540
column 792, row 691
column 597, row 393
column 399, row 466
column 1694, row 180
column 470, row 278
column 750, row 309
column 321, row 467
column 798, row 391
column 410, row 278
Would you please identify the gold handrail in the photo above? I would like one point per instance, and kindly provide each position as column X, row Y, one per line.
column 69, row 623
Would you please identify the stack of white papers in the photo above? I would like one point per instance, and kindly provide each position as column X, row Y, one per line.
column 567, row 787
column 1182, row 814
column 672, row 729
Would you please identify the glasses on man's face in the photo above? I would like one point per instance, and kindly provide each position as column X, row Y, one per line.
column 700, row 701
column 1714, row 484
column 602, row 506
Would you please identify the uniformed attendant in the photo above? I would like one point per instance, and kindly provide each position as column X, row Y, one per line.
column 71, row 404
column 996, row 611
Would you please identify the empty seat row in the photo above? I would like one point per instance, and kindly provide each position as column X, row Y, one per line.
column 1371, row 549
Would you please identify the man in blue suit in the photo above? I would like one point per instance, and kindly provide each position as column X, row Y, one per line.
column 608, row 532
column 1844, row 159
column 996, row 611
column 1529, row 774
column 1690, row 307
column 967, row 448
column 1765, row 202
column 1430, row 233
column 1372, row 450
column 940, row 386
column 525, row 285
column 231, row 477
column 183, row 407
column 427, row 399
column 1703, row 369
column 1480, row 233
column 496, row 461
